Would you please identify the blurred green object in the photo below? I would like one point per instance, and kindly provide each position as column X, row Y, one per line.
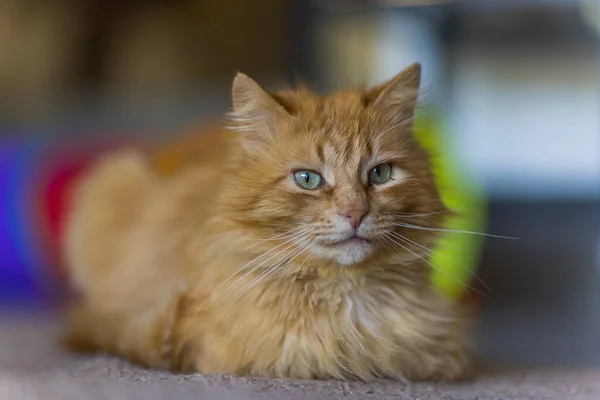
column 455, row 255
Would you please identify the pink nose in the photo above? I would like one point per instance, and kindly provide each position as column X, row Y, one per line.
column 355, row 216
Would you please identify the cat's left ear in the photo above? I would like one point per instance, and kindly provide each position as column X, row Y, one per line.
column 255, row 112
column 398, row 97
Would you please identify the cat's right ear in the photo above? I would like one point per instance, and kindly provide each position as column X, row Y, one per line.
column 256, row 113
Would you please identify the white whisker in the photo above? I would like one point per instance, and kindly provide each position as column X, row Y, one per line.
column 310, row 257
column 294, row 241
column 387, row 243
column 272, row 269
column 410, row 215
column 299, row 237
column 399, row 124
column 400, row 237
column 431, row 251
column 411, row 226
column 284, row 235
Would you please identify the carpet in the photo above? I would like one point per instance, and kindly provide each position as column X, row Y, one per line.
column 34, row 367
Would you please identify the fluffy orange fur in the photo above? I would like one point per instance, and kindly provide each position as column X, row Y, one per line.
column 231, row 266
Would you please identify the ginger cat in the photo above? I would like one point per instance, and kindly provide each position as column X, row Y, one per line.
column 296, row 252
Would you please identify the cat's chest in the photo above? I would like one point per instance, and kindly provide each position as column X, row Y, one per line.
column 315, row 329
column 372, row 313
column 343, row 323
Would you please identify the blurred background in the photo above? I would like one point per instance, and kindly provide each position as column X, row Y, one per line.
column 516, row 84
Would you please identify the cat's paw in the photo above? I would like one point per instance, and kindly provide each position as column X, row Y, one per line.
column 452, row 365
column 78, row 336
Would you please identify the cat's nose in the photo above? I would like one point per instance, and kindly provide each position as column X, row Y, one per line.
column 355, row 216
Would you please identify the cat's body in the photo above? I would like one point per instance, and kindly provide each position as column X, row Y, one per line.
column 232, row 268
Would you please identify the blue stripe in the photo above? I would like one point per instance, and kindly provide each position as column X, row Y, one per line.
column 16, row 281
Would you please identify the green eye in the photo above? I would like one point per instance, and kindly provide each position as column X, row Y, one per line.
column 308, row 180
column 380, row 173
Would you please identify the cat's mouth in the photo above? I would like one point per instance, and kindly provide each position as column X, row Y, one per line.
column 354, row 239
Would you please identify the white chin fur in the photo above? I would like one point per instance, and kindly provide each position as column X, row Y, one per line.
column 351, row 253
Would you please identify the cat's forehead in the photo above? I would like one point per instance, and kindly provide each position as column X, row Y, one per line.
column 337, row 117
column 312, row 107
column 340, row 159
column 341, row 140
column 339, row 131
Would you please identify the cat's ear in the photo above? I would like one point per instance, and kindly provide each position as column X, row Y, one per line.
column 398, row 97
column 255, row 112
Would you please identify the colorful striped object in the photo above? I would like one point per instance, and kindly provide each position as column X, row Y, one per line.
column 35, row 180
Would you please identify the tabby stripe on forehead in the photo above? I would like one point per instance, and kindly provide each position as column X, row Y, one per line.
column 349, row 149
column 321, row 154
column 369, row 148
column 360, row 144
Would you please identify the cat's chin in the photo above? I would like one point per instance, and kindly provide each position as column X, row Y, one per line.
column 346, row 253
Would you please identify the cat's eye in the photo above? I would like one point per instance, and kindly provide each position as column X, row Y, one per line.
column 308, row 180
column 380, row 173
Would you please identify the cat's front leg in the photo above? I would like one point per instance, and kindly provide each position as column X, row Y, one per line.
column 433, row 349
column 440, row 364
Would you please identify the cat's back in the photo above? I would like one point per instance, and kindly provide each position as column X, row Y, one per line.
column 209, row 147
column 131, row 207
column 105, row 204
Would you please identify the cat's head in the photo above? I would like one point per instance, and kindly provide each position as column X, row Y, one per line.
column 338, row 177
